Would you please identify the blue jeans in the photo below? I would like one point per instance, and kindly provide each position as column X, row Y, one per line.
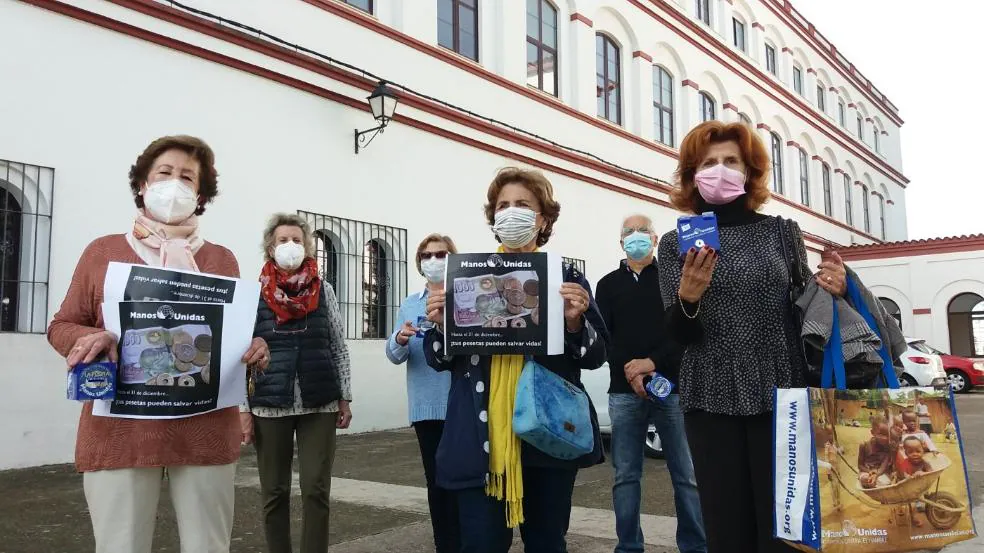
column 631, row 417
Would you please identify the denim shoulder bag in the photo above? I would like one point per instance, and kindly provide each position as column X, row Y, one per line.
column 552, row 414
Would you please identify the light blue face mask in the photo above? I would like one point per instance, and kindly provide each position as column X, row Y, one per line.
column 637, row 245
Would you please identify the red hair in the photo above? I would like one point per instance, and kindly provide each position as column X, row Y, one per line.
column 685, row 196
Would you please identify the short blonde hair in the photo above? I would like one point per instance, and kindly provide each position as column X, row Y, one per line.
column 287, row 220
column 435, row 237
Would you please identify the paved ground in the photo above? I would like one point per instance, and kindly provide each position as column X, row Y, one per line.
column 379, row 504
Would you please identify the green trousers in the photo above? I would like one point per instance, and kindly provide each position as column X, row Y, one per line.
column 274, row 456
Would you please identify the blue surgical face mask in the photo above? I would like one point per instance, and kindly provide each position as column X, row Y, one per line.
column 637, row 245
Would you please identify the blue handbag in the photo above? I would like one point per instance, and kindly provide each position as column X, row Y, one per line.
column 551, row 414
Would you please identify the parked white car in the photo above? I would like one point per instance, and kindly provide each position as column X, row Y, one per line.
column 922, row 366
column 596, row 383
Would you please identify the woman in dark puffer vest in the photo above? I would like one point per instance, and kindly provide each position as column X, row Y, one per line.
column 305, row 390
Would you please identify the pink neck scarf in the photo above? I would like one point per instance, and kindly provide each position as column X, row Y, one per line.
column 163, row 245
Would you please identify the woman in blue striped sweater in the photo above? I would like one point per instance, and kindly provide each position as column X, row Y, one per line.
column 427, row 389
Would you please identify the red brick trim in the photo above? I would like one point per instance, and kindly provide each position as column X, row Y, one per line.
column 817, row 158
column 838, row 171
column 884, row 133
column 952, row 244
column 889, row 202
column 582, row 18
column 922, row 311
column 786, row 50
column 730, row 106
column 793, row 143
column 832, row 89
column 811, row 70
column 643, row 55
column 852, row 106
column 691, row 84
column 869, row 120
column 757, row 25
column 763, row 126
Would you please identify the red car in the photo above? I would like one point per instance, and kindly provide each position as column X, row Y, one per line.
column 964, row 374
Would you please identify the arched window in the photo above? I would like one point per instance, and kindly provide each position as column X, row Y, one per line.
column 707, row 107
column 881, row 216
column 821, row 97
column 860, row 128
column 739, row 34
column 745, row 119
column 457, row 26
column 798, row 80
column 364, row 5
column 828, row 198
column 864, row 206
column 777, row 176
column 841, row 113
column 326, row 253
column 848, row 202
column 609, row 84
column 703, row 10
column 804, row 170
column 541, row 46
column 375, row 285
column 893, row 309
column 662, row 105
column 965, row 316
column 877, row 140
column 10, row 256
column 770, row 59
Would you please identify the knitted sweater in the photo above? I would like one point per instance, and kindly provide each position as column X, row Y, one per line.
column 113, row 443
column 427, row 389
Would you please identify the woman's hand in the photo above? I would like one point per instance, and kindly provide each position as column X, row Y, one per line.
column 257, row 357
column 435, row 307
column 698, row 267
column 406, row 332
column 576, row 302
column 833, row 275
column 246, row 423
column 91, row 347
column 344, row 415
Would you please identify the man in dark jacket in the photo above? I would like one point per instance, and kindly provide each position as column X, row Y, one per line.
column 632, row 307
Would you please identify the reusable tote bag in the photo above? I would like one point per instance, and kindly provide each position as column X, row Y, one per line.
column 855, row 473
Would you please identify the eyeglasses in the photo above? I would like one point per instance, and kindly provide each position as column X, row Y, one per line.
column 428, row 255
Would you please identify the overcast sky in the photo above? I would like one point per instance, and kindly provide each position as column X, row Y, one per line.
column 926, row 59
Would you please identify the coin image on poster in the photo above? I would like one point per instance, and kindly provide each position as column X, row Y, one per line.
column 493, row 301
column 206, row 374
column 182, row 366
column 203, row 342
column 157, row 356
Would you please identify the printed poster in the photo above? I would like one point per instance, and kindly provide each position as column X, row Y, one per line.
column 504, row 304
column 920, row 501
column 182, row 335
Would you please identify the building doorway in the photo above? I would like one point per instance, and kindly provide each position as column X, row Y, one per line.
column 10, row 244
column 893, row 309
column 965, row 316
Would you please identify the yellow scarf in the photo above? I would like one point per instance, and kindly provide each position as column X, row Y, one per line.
column 505, row 461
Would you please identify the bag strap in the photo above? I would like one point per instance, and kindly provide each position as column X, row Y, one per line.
column 888, row 367
column 789, row 255
column 833, row 374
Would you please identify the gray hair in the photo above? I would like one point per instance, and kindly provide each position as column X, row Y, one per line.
column 646, row 217
column 287, row 220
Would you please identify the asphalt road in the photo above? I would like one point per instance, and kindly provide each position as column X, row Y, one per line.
column 43, row 509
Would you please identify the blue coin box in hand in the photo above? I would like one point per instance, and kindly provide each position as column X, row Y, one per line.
column 697, row 231
column 87, row 381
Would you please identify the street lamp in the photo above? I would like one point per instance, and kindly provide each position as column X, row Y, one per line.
column 382, row 102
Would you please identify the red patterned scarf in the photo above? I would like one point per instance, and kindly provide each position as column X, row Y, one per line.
column 291, row 296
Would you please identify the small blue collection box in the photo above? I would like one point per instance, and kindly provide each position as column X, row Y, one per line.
column 697, row 231
column 87, row 381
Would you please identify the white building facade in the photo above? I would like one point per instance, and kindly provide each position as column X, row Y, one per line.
column 935, row 288
column 595, row 93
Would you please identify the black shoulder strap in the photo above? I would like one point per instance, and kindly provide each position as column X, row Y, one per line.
column 789, row 253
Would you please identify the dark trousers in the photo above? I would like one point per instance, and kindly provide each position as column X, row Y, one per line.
column 733, row 458
column 274, row 457
column 546, row 507
column 443, row 510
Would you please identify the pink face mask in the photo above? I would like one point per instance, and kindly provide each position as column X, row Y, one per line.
column 719, row 184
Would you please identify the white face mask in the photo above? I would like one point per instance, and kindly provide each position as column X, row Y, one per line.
column 515, row 226
column 289, row 255
column 170, row 201
column 433, row 269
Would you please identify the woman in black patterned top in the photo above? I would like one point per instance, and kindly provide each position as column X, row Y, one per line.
column 731, row 311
